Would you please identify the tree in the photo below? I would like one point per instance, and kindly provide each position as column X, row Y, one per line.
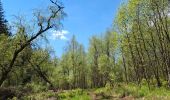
column 42, row 65
column 143, row 26
column 77, row 63
column 3, row 22
column 44, row 24
column 73, row 66
column 95, row 50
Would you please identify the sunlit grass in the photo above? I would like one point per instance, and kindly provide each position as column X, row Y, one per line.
column 130, row 91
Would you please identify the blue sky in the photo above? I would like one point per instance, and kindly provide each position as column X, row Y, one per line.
column 85, row 18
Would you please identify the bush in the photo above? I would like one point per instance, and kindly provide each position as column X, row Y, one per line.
column 143, row 91
column 77, row 94
column 35, row 88
column 132, row 90
column 165, row 83
column 40, row 96
column 144, row 82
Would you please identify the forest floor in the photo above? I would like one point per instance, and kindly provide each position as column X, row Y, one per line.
column 119, row 92
column 98, row 94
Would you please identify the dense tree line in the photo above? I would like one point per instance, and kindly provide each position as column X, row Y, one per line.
column 144, row 28
column 136, row 49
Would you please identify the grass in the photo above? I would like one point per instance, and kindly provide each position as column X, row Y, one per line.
column 77, row 94
column 130, row 91
column 143, row 91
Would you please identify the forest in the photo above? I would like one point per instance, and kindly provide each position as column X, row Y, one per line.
column 131, row 60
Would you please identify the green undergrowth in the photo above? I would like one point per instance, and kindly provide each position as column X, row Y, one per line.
column 77, row 94
column 143, row 91
column 119, row 91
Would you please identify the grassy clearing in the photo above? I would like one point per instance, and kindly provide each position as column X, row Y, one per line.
column 127, row 92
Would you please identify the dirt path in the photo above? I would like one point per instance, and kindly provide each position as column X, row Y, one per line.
column 93, row 96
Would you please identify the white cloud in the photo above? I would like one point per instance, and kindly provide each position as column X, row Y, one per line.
column 60, row 34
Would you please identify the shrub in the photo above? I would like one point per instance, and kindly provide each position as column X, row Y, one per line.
column 143, row 91
column 35, row 88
